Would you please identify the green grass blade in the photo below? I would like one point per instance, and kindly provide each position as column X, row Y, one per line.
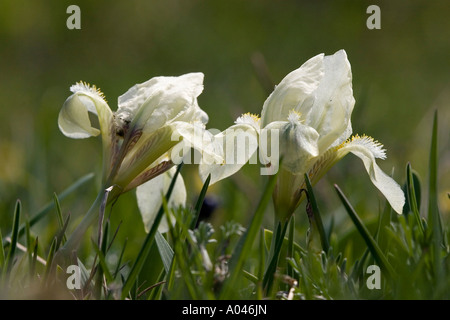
column 2, row 252
column 370, row 241
column 103, row 268
column 268, row 234
column 316, row 219
column 180, row 237
column 198, row 205
column 29, row 243
column 47, row 208
column 61, row 234
column 250, row 276
column 34, row 258
column 277, row 245
column 49, row 264
column 412, row 197
column 14, row 238
column 60, row 217
column 433, row 210
column 261, row 265
column 434, row 218
column 145, row 249
column 290, row 251
column 165, row 251
column 156, row 294
column 244, row 246
column 116, row 271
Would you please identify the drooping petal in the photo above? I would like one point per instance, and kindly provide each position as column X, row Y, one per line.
column 294, row 92
column 151, row 104
column 238, row 144
column 150, row 194
column 73, row 119
column 74, row 122
column 368, row 150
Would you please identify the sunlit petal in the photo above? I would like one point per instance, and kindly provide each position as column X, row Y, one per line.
column 333, row 102
column 151, row 104
column 294, row 91
column 193, row 135
column 298, row 144
column 368, row 150
column 73, row 119
column 238, row 144
column 150, row 195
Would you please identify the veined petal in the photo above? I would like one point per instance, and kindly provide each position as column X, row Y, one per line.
column 367, row 150
column 149, row 148
column 150, row 194
column 155, row 169
column 294, row 92
column 238, row 144
column 73, row 119
column 151, row 104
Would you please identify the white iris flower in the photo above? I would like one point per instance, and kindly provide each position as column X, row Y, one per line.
column 309, row 112
column 138, row 138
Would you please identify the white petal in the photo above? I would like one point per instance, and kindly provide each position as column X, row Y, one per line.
column 192, row 114
column 298, row 144
column 294, row 91
column 150, row 194
column 238, row 144
column 151, row 104
column 320, row 90
column 194, row 135
column 367, row 150
column 333, row 102
column 250, row 119
column 73, row 119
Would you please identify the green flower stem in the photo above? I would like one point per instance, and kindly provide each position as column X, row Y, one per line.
column 75, row 238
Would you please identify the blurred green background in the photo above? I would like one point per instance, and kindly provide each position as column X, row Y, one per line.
column 401, row 75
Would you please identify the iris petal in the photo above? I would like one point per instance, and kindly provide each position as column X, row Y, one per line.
column 150, row 194
column 368, row 150
column 238, row 144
